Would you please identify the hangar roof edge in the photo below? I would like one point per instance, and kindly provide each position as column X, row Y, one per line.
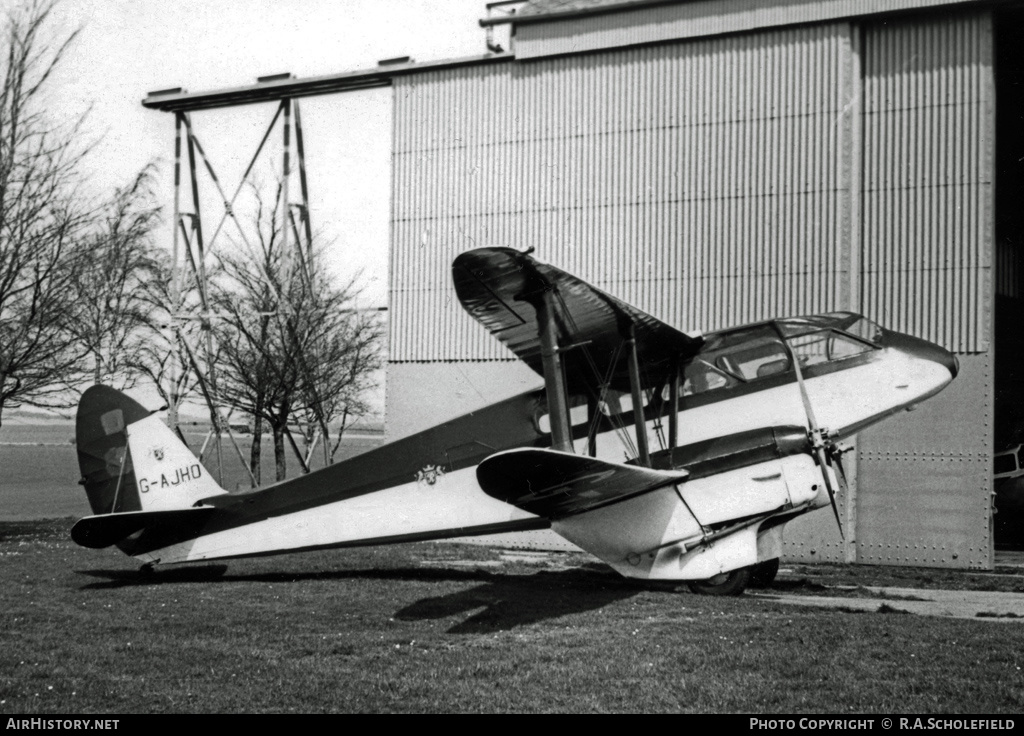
column 539, row 11
column 287, row 86
column 544, row 11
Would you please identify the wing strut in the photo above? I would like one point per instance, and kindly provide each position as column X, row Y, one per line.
column 673, row 412
column 638, row 405
column 554, row 373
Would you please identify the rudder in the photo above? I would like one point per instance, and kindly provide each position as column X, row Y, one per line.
column 131, row 461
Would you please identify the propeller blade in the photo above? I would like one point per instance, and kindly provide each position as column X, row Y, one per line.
column 818, row 443
column 823, row 462
column 837, row 459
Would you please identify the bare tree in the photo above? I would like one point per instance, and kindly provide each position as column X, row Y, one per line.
column 340, row 356
column 41, row 218
column 117, row 269
column 158, row 349
column 255, row 376
column 293, row 349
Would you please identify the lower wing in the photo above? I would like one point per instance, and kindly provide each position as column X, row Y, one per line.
column 554, row 484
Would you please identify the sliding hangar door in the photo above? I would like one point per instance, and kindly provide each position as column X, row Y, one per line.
column 721, row 180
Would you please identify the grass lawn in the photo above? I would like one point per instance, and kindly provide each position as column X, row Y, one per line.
column 456, row 628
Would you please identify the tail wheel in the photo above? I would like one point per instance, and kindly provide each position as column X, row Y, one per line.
column 763, row 573
column 733, row 582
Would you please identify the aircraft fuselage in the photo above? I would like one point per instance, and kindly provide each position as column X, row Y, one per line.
column 740, row 383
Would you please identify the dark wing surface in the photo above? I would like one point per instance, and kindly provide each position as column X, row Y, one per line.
column 556, row 484
column 107, row 529
column 499, row 287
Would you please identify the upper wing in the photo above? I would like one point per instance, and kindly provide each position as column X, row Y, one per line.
column 497, row 287
column 554, row 484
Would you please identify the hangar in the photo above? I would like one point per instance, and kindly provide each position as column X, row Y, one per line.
column 718, row 162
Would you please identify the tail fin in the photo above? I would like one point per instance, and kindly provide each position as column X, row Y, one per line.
column 131, row 461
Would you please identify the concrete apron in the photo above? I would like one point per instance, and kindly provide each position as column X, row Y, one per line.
column 978, row 605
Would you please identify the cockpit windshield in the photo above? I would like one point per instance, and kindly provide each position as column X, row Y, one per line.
column 848, row 322
column 828, row 337
column 754, row 353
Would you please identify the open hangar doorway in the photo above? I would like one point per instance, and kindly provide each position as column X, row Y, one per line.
column 1008, row 429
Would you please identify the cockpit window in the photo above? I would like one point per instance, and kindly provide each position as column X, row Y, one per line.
column 865, row 329
column 743, row 355
column 848, row 322
column 810, row 349
column 841, row 346
column 824, row 346
column 762, row 355
column 795, row 326
column 755, row 353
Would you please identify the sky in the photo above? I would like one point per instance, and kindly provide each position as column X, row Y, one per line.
column 127, row 48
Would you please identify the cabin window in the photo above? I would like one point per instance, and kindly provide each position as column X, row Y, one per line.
column 700, row 376
column 616, row 402
column 578, row 415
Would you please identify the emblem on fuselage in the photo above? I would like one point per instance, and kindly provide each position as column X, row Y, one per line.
column 430, row 474
column 157, row 453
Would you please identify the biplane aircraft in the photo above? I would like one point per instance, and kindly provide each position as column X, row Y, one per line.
column 670, row 456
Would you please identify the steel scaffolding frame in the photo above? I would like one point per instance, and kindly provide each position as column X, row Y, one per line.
column 191, row 251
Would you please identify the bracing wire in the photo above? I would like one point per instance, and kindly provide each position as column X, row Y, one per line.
column 616, row 420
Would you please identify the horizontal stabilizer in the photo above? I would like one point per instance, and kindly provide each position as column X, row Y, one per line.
column 107, row 529
column 556, row 484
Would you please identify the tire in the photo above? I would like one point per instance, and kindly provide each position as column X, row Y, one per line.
column 763, row 573
column 733, row 582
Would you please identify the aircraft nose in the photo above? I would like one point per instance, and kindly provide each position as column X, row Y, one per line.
column 925, row 350
column 943, row 357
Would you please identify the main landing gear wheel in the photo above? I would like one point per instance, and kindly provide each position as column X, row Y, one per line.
column 763, row 573
column 733, row 582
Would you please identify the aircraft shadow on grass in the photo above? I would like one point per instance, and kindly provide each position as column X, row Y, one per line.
column 127, row 578
column 213, row 573
column 507, row 600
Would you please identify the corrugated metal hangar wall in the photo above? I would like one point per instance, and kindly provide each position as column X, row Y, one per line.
column 720, row 180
